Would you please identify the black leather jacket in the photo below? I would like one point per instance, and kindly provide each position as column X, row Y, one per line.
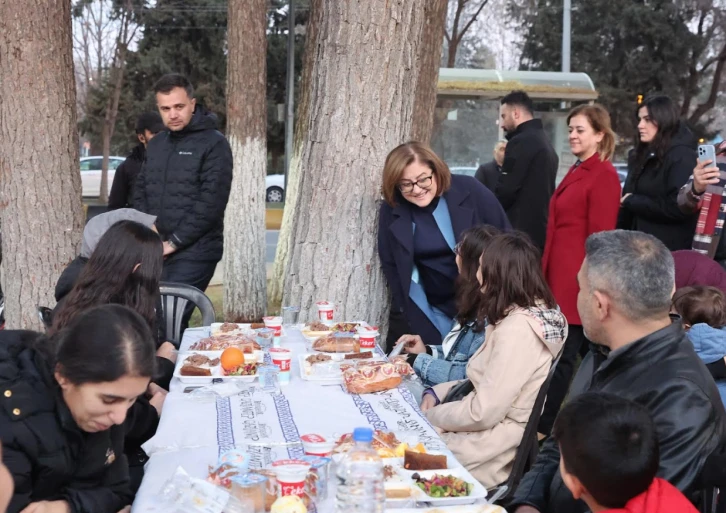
column 663, row 373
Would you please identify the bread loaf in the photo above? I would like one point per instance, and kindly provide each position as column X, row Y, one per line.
column 333, row 344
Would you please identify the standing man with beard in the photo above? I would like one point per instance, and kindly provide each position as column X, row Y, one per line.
column 185, row 183
column 527, row 180
column 122, row 191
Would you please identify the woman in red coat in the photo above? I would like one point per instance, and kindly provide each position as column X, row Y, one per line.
column 587, row 201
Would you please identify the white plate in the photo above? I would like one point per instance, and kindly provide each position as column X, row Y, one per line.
column 477, row 493
column 216, row 370
column 215, row 327
column 334, row 377
column 474, row 508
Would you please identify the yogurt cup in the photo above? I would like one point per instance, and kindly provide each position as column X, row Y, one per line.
column 325, row 310
column 274, row 323
column 291, row 476
column 282, row 358
column 367, row 338
column 317, row 445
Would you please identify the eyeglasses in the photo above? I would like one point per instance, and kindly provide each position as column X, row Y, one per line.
column 423, row 183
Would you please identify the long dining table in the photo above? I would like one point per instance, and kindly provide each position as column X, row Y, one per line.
column 198, row 425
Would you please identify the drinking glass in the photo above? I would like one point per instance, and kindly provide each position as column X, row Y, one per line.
column 290, row 315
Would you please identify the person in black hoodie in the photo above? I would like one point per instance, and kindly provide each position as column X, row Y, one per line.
column 661, row 164
column 185, row 182
column 122, row 190
column 64, row 410
column 527, row 179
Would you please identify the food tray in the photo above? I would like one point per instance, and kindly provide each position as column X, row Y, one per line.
column 215, row 327
column 478, row 493
column 216, row 370
column 334, row 376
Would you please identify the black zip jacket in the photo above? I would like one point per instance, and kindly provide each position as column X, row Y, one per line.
column 48, row 455
column 122, row 189
column 662, row 373
column 185, row 182
column 652, row 206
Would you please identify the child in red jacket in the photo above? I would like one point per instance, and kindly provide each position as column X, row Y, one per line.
column 609, row 457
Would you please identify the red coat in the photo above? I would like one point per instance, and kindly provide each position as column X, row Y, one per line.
column 660, row 497
column 587, row 201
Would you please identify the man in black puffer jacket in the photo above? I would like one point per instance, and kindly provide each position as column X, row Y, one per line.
column 185, row 183
column 643, row 356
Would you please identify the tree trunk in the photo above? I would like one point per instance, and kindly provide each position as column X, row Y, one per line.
column 356, row 106
column 40, row 182
column 245, row 295
column 428, row 62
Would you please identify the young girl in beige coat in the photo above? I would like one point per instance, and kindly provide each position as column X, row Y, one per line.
column 525, row 333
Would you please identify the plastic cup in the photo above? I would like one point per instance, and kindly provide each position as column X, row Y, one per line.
column 325, row 310
column 250, row 488
column 290, row 315
column 316, row 484
column 291, row 476
column 264, row 337
column 274, row 323
column 317, row 445
column 282, row 358
column 367, row 338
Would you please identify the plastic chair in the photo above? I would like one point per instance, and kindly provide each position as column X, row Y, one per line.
column 528, row 447
column 46, row 316
column 174, row 298
column 711, row 482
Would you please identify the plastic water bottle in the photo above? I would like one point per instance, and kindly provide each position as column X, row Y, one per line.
column 360, row 477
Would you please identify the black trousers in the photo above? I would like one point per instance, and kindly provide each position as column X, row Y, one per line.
column 189, row 272
column 575, row 344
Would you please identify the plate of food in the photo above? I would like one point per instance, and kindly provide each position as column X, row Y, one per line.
column 221, row 341
column 449, row 487
column 399, row 488
column 337, row 343
column 204, row 367
column 328, row 367
column 471, row 508
column 314, row 330
column 233, row 327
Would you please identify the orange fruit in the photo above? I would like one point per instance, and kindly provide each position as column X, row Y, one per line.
column 232, row 358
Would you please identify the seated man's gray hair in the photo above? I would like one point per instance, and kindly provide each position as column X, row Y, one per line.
column 635, row 269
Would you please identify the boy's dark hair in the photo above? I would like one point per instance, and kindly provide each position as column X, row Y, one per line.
column 610, row 445
column 150, row 121
column 519, row 99
column 701, row 305
column 168, row 82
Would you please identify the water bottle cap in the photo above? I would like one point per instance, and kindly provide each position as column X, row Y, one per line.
column 363, row 434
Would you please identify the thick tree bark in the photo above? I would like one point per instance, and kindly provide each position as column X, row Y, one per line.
column 40, row 184
column 428, row 62
column 360, row 73
column 245, row 296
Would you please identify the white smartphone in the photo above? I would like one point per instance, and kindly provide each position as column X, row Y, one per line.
column 707, row 152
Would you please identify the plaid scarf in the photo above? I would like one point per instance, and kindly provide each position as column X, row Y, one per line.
column 712, row 215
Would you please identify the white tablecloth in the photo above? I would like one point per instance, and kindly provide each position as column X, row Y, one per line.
column 194, row 431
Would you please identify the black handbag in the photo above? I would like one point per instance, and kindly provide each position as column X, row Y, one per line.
column 458, row 392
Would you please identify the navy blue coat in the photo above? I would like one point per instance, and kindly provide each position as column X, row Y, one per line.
column 470, row 204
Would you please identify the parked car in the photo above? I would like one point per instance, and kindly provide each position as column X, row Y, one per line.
column 463, row 170
column 275, row 187
column 91, row 174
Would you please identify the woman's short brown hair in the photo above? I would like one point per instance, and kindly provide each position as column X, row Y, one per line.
column 701, row 305
column 511, row 272
column 599, row 120
column 406, row 154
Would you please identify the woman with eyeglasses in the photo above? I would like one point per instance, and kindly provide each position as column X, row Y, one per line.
column 425, row 211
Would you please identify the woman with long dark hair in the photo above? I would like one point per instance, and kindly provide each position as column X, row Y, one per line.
column 65, row 401
column 447, row 362
column 662, row 162
column 125, row 268
column 482, row 419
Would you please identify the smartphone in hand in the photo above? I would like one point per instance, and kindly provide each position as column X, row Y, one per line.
column 707, row 152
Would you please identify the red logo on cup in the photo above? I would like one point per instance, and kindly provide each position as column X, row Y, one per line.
column 278, row 330
column 367, row 343
column 284, row 365
column 313, row 439
column 292, row 488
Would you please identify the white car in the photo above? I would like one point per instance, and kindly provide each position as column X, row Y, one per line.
column 91, row 179
column 91, row 174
